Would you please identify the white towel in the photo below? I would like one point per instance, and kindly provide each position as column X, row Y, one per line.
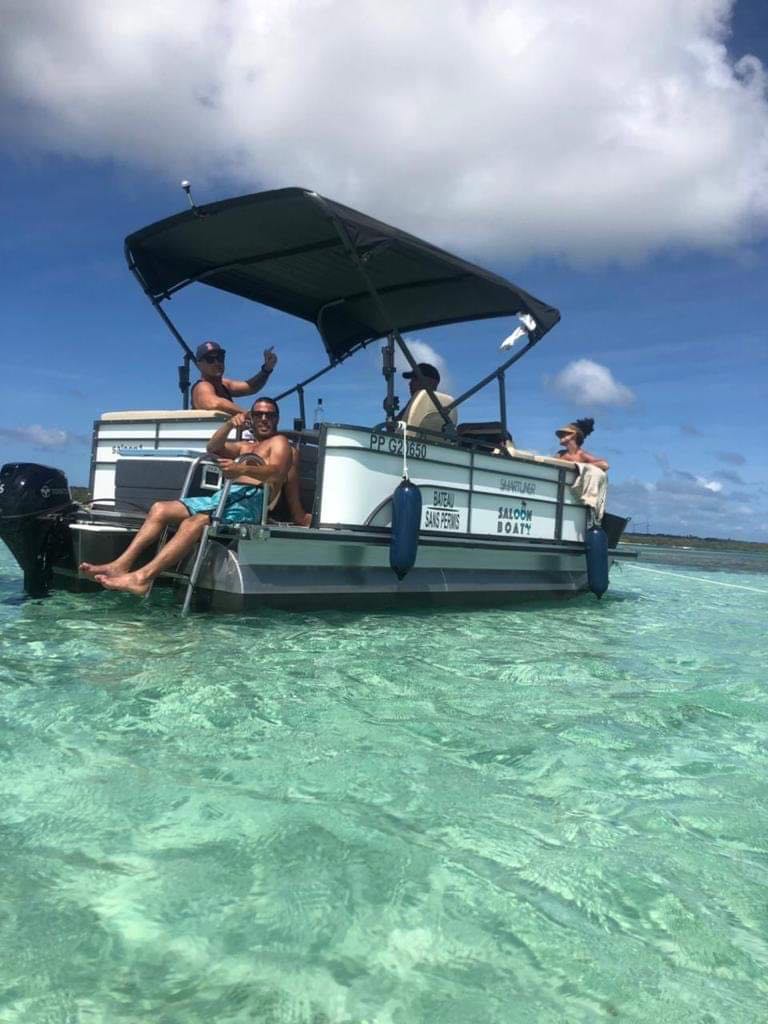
column 590, row 487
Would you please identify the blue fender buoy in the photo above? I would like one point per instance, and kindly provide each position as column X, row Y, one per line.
column 406, row 520
column 597, row 560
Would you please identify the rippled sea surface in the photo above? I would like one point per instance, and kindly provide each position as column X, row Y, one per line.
column 553, row 814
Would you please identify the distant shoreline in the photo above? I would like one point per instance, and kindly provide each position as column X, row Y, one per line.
column 670, row 540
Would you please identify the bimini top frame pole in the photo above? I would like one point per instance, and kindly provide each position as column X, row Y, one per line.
column 393, row 334
column 189, row 357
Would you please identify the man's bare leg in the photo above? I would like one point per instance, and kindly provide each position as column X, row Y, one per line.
column 185, row 538
column 162, row 514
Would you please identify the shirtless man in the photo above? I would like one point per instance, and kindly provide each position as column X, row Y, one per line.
column 214, row 390
column 572, row 438
column 192, row 515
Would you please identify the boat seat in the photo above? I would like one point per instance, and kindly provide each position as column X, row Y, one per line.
column 144, row 476
column 422, row 414
column 308, row 456
column 487, row 434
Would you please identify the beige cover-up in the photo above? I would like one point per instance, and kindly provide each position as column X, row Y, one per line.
column 590, row 487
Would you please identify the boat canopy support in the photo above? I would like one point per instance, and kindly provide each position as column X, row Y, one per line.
column 189, row 357
column 355, row 278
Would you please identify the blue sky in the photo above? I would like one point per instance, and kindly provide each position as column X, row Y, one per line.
column 655, row 251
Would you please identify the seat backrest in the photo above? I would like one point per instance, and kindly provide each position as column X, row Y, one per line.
column 422, row 414
column 489, row 433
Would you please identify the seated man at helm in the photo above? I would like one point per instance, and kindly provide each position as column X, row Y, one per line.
column 425, row 376
column 214, row 392
column 191, row 515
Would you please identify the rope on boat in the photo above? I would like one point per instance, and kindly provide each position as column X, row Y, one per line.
column 699, row 579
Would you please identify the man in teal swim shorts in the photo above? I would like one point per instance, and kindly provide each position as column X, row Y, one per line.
column 192, row 515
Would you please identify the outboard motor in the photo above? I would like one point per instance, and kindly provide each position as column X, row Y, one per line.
column 32, row 499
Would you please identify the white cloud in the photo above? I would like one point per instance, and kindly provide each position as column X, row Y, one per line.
column 46, row 438
column 603, row 129
column 680, row 501
column 588, row 383
column 709, row 485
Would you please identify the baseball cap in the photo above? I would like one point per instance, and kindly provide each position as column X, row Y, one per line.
column 425, row 370
column 206, row 347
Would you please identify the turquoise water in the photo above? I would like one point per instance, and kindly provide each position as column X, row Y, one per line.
column 553, row 814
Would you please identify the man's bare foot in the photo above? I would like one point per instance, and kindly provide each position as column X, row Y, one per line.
column 127, row 582
column 108, row 569
column 305, row 520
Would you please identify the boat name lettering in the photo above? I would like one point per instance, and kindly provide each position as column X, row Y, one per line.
column 441, row 519
column 443, row 499
column 515, row 486
column 117, row 448
column 514, row 520
column 394, row 446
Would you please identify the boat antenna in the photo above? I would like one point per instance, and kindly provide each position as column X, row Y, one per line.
column 187, row 186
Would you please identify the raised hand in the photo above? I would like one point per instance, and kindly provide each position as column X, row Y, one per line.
column 270, row 358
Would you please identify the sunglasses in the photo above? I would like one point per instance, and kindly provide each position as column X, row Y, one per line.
column 214, row 357
column 263, row 415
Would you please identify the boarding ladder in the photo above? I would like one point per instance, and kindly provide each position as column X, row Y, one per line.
column 215, row 520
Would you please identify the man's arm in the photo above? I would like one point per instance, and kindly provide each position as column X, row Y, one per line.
column 204, row 397
column 257, row 382
column 277, row 464
column 592, row 461
column 218, row 444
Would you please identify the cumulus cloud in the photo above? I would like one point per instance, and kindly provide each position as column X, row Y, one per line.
column 46, row 438
column 683, row 502
column 732, row 458
column 588, row 383
column 709, row 485
column 731, row 476
column 604, row 129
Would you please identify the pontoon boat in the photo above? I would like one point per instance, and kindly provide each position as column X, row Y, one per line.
column 497, row 523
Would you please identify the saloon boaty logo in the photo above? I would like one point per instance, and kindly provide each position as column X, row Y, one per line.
column 515, row 520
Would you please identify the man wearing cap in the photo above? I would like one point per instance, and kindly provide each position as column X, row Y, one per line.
column 214, row 391
column 425, row 376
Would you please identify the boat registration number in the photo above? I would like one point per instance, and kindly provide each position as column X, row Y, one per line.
column 394, row 446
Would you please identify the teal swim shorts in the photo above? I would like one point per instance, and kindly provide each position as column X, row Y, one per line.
column 244, row 504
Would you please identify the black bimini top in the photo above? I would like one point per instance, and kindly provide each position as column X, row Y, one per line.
column 316, row 259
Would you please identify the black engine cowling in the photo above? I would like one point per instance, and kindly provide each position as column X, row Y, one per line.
column 34, row 503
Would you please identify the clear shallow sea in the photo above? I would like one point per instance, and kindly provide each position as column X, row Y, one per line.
column 557, row 814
